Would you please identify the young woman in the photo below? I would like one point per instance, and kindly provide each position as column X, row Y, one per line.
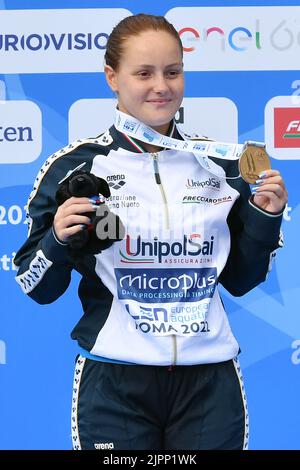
column 157, row 367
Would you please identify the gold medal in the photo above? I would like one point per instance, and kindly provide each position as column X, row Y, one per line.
column 253, row 160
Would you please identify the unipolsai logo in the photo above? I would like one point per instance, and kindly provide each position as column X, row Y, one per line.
column 212, row 183
column 150, row 251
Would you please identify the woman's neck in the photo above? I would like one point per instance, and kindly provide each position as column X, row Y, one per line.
column 151, row 148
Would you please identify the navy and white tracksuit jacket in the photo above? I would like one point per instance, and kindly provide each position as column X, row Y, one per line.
column 153, row 297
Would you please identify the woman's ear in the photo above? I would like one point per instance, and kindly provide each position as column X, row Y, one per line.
column 111, row 78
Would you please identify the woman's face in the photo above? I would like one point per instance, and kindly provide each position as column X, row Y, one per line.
column 149, row 81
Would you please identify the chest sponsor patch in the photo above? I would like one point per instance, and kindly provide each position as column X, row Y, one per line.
column 167, row 301
column 166, row 285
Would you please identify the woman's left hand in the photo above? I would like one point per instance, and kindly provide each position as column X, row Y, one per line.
column 271, row 194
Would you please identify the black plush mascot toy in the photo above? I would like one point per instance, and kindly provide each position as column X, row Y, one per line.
column 110, row 229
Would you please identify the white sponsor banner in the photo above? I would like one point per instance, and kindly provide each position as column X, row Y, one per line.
column 216, row 118
column 239, row 38
column 91, row 117
column 53, row 41
column 282, row 128
column 20, row 131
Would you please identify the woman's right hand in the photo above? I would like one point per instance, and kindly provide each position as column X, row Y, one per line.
column 69, row 218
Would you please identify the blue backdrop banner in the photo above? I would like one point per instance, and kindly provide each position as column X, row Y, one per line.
column 242, row 83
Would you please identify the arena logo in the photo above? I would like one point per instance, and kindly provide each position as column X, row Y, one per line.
column 282, row 128
column 20, row 131
column 243, row 38
column 155, row 250
column 53, row 41
column 116, row 181
column 104, row 445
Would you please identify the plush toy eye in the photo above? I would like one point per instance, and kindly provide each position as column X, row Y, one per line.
column 82, row 185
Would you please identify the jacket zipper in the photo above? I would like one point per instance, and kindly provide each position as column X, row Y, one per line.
column 162, row 191
column 167, row 221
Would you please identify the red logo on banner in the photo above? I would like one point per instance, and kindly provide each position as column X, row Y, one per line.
column 287, row 127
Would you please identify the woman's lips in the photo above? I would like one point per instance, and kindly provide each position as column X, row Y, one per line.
column 162, row 101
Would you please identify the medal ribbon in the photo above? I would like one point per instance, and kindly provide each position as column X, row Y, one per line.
column 134, row 128
column 202, row 149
